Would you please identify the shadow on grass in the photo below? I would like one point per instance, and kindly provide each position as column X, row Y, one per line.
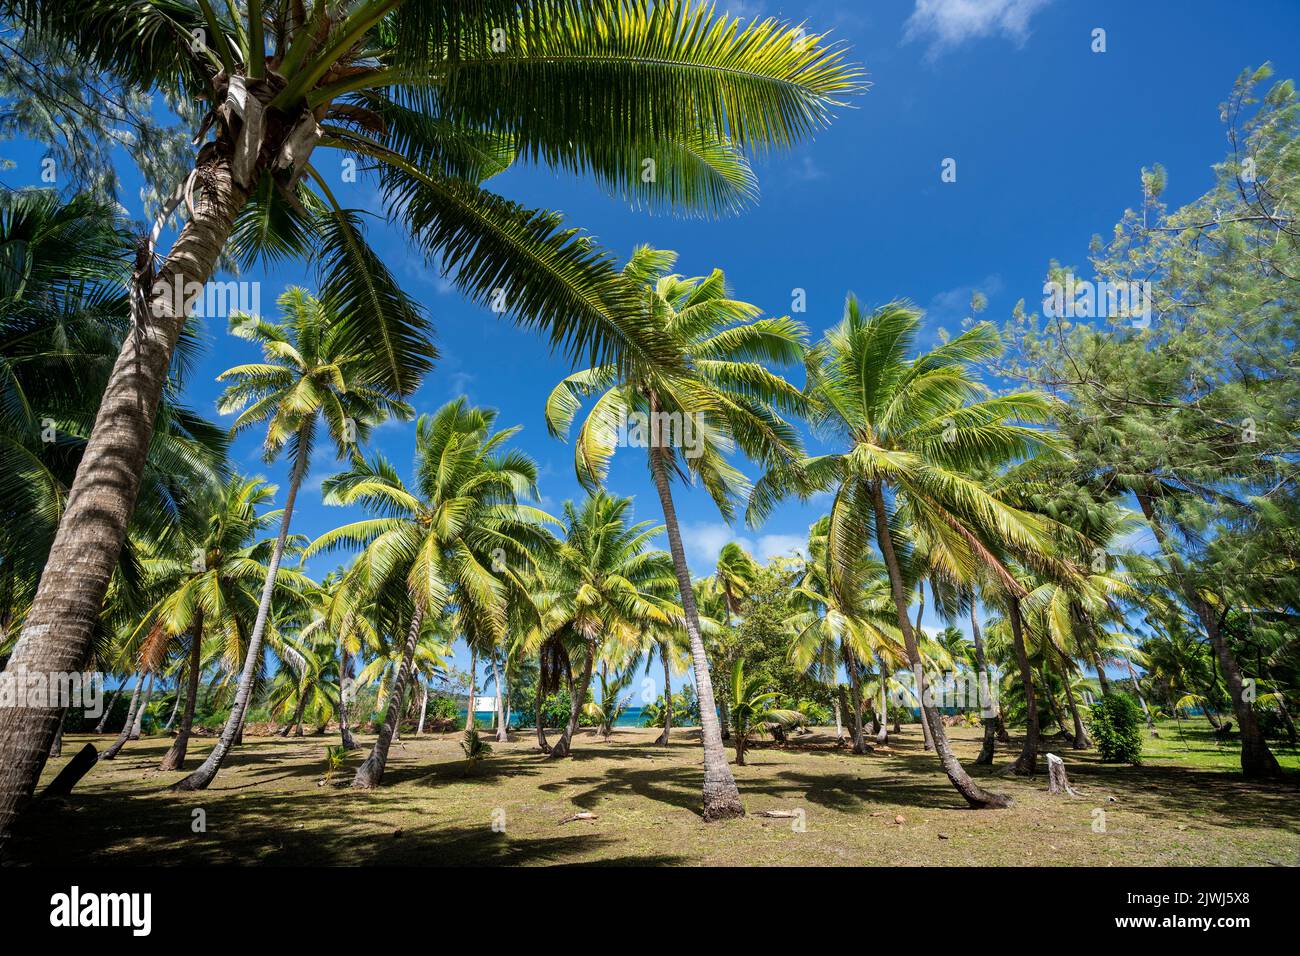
column 118, row 830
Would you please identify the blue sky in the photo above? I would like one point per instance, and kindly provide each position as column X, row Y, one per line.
column 1048, row 138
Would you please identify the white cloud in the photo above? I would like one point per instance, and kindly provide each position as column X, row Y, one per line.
column 750, row 9
column 703, row 541
column 779, row 546
column 949, row 23
column 807, row 170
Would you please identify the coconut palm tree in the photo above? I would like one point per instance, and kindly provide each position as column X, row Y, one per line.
column 334, row 619
column 713, row 395
column 670, row 646
column 435, row 543
column 603, row 588
column 752, row 710
column 432, row 97
column 914, row 429
column 846, row 621
column 733, row 577
column 206, row 589
column 613, row 702
column 429, row 660
column 307, row 376
column 300, row 691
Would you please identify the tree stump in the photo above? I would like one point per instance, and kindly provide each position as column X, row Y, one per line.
column 1057, row 781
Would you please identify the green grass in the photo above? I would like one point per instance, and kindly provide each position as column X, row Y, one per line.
column 271, row 805
column 1194, row 744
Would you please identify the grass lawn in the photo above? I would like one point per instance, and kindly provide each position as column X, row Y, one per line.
column 271, row 806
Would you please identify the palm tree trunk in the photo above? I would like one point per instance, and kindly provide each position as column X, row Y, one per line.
column 502, row 735
column 57, row 633
column 1027, row 763
column 473, row 671
column 424, row 706
column 176, row 709
column 839, row 723
column 1257, row 759
column 1081, row 741
column 920, row 610
column 986, row 692
column 668, row 694
column 721, row 797
column 1102, row 679
column 882, row 735
column 541, row 721
column 577, row 697
column 125, row 733
column 295, row 720
column 345, row 731
column 855, row 696
column 233, row 731
column 138, row 724
column 175, row 756
column 371, row 770
column 975, row 795
column 108, row 709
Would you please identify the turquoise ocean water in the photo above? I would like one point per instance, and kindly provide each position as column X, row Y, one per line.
column 630, row 718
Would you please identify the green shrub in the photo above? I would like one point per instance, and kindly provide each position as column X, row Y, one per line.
column 1115, row 724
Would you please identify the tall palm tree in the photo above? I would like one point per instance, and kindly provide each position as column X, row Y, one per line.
column 308, row 375
column 914, row 429
column 603, row 588
column 433, row 544
column 712, row 395
column 434, row 97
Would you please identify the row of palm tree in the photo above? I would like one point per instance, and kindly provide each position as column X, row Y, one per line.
column 462, row 552
column 945, row 492
column 425, row 97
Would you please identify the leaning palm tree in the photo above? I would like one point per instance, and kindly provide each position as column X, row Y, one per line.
column 430, row 659
column 308, row 375
column 432, row 97
column 63, row 317
column 436, row 543
column 712, row 395
column 914, row 429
